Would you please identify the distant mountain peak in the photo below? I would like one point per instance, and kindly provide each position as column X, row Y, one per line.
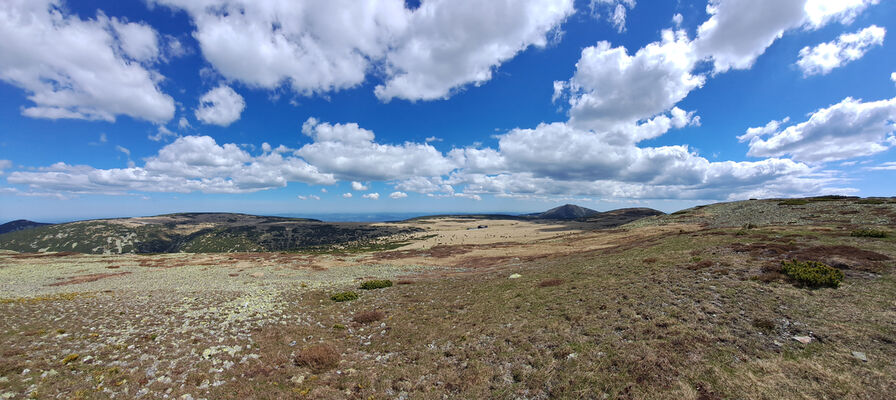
column 18, row 225
column 567, row 211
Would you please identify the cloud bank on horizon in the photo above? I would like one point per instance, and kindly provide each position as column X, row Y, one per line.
column 618, row 122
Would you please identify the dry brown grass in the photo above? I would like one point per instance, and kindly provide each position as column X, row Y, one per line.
column 87, row 278
column 550, row 282
column 367, row 317
column 318, row 357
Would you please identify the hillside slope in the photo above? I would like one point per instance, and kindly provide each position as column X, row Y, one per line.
column 193, row 233
column 19, row 225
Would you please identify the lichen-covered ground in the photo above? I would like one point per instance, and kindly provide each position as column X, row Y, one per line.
column 678, row 307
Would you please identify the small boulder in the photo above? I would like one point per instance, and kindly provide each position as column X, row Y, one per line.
column 803, row 339
column 515, row 276
column 860, row 356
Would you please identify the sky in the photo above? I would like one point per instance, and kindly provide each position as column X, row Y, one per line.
column 141, row 107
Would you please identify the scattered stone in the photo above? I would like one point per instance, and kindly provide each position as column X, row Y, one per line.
column 860, row 356
column 803, row 339
column 777, row 343
column 257, row 274
column 515, row 276
column 298, row 379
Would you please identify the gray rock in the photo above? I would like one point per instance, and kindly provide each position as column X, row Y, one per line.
column 860, row 356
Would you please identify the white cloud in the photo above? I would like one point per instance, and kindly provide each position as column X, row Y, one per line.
column 677, row 19
column 308, row 197
column 103, row 138
column 893, row 77
column 321, row 47
column 887, row 166
column 323, row 190
column 451, row 43
column 95, row 69
column 824, row 57
column 7, row 164
column 220, row 106
column 183, row 123
column 371, row 196
column 433, row 139
column 123, row 150
column 349, row 152
column 739, row 31
column 189, row 164
column 161, row 133
column 347, row 195
column 398, row 195
column 615, row 10
column 358, row 186
column 851, row 128
column 820, row 12
column 613, row 90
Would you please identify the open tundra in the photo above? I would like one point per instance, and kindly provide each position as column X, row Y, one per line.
column 695, row 304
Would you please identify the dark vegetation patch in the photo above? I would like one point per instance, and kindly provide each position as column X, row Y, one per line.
column 366, row 317
column 344, row 296
column 318, row 357
column 86, row 278
column 870, row 233
column 812, row 273
column 839, row 256
column 550, row 282
column 45, row 255
column 376, row 284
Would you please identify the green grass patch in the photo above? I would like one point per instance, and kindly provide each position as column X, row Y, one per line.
column 376, row 284
column 793, row 202
column 812, row 273
column 344, row 296
column 871, row 233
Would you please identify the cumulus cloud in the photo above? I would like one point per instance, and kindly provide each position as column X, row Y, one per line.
column 123, row 149
column 320, row 47
column 347, row 195
column 614, row 9
column 350, row 153
column 358, row 186
column 893, row 77
column 220, row 106
column 452, row 43
column 398, row 195
column 189, row 164
column 308, row 197
column 611, row 89
column 371, row 196
column 851, row 128
column 7, row 164
column 824, row 57
column 739, row 31
column 94, row 69
column 161, row 133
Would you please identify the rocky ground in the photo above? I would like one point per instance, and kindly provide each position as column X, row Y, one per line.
column 684, row 306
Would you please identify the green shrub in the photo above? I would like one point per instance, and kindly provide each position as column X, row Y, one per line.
column 871, row 201
column 376, row 284
column 812, row 273
column 793, row 202
column 872, row 233
column 344, row 296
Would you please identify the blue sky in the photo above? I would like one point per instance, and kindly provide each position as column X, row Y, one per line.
column 123, row 108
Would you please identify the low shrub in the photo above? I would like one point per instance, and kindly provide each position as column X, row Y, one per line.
column 69, row 358
column 812, row 273
column 367, row 317
column 872, row 233
column 871, row 201
column 764, row 324
column 793, row 202
column 318, row 357
column 344, row 296
column 376, row 284
column 550, row 282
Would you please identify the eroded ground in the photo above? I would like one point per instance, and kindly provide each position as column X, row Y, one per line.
column 670, row 308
